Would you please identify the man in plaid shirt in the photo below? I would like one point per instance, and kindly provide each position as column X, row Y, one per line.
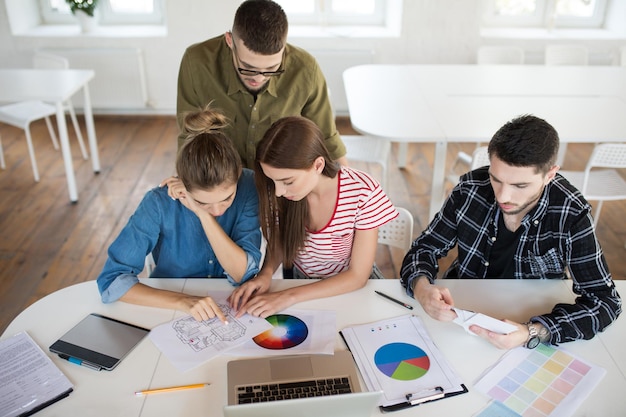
column 518, row 219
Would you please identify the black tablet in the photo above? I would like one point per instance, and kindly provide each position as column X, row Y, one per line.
column 98, row 342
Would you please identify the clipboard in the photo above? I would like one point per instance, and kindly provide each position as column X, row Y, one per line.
column 398, row 357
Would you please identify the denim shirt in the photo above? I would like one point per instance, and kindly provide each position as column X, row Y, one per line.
column 178, row 242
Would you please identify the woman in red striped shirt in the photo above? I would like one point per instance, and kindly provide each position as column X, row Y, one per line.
column 317, row 217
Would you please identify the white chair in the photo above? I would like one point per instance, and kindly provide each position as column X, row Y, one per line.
column 480, row 157
column 623, row 56
column 149, row 265
column 477, row 159
column 605, row 184
column 566, row 55
column 22, row 114
column 500, row 55
column 398, row 233
column 44, row 60
column 369, row 149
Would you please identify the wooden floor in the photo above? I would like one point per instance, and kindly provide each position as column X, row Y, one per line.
column 47, row 243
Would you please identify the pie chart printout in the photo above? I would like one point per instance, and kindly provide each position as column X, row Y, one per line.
column 402, row 361
column 288, row 331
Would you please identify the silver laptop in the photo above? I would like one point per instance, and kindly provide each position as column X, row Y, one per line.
column 302, row 385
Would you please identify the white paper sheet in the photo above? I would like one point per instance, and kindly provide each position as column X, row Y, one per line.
column 398, row 357
column 188, row 343
column 546, row 381
column 294, row 332
column 466, row 318
column 28, row 377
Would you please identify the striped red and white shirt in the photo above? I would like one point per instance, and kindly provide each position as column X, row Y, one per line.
column 361, row 204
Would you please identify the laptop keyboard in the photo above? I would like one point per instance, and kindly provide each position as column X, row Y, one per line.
column 291, row 390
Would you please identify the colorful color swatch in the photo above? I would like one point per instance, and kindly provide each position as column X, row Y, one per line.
column 402, row 361
column 288, row 331
column 538, row 384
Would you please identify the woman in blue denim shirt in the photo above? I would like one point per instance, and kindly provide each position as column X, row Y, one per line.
column 202, row 224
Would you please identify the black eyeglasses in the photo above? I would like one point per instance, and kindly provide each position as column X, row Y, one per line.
column 253, row 73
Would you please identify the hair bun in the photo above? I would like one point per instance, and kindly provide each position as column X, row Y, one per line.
column 204, row 121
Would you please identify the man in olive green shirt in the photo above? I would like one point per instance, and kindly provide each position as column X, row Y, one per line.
column 256, row 78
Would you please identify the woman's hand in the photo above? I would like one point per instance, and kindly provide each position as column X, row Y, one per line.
column 202, row 308
column 242, row 294
column 175, row 187
column 177, row 191
column 264, row 305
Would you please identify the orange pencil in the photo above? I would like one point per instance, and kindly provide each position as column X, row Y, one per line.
column 169, row 389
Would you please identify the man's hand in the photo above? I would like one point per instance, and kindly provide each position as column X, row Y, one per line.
column 435, row 300
column 504, row 341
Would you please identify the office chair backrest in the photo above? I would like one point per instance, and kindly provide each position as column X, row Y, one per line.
column 44, row 60
column 398, row 232
column 509, row 55
column 566, row 55
column 480, row 157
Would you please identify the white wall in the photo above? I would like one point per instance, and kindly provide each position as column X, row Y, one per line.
column 433, row 32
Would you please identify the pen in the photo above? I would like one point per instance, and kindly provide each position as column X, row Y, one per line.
column 79, row 362
column 169, row 389
column 405, row 305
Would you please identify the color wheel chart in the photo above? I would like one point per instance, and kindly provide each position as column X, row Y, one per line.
column 288, row 331
column 541, row 382
column 402, row 361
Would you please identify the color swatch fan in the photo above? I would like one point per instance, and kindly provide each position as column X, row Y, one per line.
column 546, row 381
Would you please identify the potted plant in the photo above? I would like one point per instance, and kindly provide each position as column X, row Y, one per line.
column 84, row 10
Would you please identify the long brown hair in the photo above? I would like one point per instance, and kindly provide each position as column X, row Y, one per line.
column 208, row 158
column 290, row 143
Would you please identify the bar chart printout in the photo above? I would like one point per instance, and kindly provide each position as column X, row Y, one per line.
column 546, row 381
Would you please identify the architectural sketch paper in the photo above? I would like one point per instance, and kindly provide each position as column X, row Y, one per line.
column 294, row 332
column 188, row 343
column 398, row 357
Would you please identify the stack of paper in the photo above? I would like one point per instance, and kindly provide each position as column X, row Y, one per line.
column 29, row 380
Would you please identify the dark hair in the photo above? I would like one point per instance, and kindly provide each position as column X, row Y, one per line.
column 290, row 143
column 208, row 158
column 262, row 26
column 526, row 141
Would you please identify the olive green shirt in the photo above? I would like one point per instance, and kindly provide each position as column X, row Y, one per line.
column 207, row 75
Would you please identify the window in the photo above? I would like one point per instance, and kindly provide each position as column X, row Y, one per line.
column 109, row 11
column 545, row 13
column 335, row 12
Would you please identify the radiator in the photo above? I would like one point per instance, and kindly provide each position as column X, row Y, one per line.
column 333, row 63
column 120, row 81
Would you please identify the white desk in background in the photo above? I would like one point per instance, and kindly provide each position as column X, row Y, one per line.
column 54, row 86
column 111, row 393
column 469, row 103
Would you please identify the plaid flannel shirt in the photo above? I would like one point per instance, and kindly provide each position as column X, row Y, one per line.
column 557, row 234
